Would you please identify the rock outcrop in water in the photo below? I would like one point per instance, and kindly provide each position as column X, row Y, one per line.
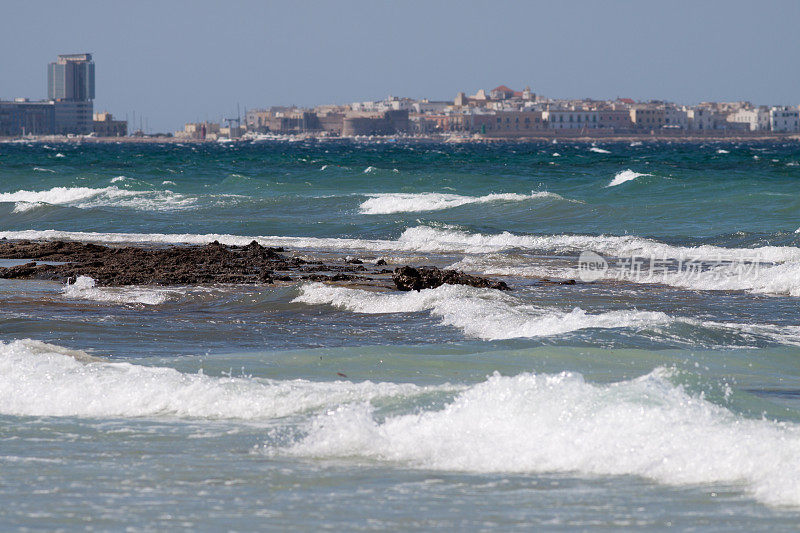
column 212, row 263
column 415, row 279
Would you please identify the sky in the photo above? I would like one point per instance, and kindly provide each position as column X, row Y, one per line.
column 180, row 61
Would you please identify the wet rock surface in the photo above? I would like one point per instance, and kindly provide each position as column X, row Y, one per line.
column 408, row 278
column 211, row 263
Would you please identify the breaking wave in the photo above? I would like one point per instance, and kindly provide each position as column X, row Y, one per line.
column 531, row 423
column 429, row 239
column 24, row 207
column 87, row 197
column 624, row 176
column 494, row 315
column 85, row 288
column 483, row 313
column 767, row 278
column 381, row 204
column 38, row 379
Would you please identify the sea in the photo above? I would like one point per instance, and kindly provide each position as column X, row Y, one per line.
column 661, row 390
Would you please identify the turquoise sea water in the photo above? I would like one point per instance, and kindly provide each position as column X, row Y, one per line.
column 662, row 392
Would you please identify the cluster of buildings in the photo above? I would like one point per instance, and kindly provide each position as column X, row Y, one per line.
column 69, row 108
column 505, row 113
column 499, row 113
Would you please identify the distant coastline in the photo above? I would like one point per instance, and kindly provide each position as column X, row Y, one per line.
column 538, row 137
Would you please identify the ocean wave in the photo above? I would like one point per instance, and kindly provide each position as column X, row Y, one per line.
column 493, row 315
column 426, row 239
column 597, row 150
column 85, row 288
column 38, row 379
column 88, row 197
column 381, row 204
column 766, row 278
column 531, row 423
column 24, row 207
column 624, row 176
column 483, row 313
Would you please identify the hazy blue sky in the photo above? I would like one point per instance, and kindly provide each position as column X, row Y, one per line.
column 178, row 61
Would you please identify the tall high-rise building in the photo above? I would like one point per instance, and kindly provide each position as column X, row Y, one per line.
column 70, row 84
column 71, row 77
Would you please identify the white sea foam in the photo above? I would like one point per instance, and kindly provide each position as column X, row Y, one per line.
column 38, row 379
column 24, row 207
column 380, row 204
column 782, row 279
column 60, row 155
column 762, row 278
column 369, row 170
column 118, row 179
column 624, row 176
column 87, row 197
column 85, row 288
column 483, row 313
column 40, row 169
column 425, row 239
column 598, row 150
column 720, row 151
column 530, row 423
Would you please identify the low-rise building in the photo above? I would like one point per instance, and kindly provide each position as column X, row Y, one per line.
column 510, row 123
column 104, row 125
column 200, row 131
column 699, row 118
column 784, row 119
column 22, row 117
column 386, row 123
column 615, row 119
column 675, row 118
column 756, row 119
column 571, row 119
column 647, row 117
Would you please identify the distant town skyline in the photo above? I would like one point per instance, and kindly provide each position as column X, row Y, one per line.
column 186, row 61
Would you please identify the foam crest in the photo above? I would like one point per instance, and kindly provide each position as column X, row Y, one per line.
column 381, row 204
column 597, row 150
column 85, row 288
column 24, row 207
column 428, row 239
column 483, row 313
column 88, row 197
column 532, row 423
column 625, row 176
column 38, row 379
column 767, row 278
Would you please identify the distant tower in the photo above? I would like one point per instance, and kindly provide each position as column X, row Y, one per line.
column 71, row 78
column 70, row 84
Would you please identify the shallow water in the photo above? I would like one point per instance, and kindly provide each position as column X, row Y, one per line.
column 662, row 396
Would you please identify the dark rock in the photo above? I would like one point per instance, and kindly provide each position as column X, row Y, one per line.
column 380, row 262
column 409, row 278
column 545, row 281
